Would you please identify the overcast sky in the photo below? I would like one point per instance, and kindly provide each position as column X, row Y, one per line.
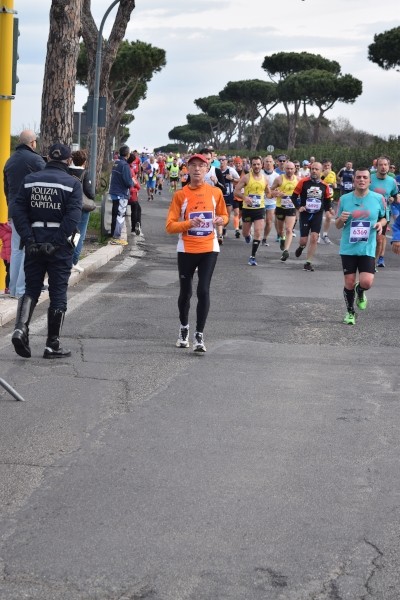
column 211, row 42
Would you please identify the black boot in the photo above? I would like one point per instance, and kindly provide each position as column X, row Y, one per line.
column 20, row 337
column 55, row 318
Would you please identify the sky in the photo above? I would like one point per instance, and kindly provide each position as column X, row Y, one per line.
column 210, row 43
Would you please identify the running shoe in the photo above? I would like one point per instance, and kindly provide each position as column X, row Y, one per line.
column 224, row 231
column 294, row 234
column 285, row 255
column 138, row 229
column 183, row 339
column 361, row 302
column 264, row 242
column 118, row 242
column 308, row 267
column 220, row 240
column 248, row 239
column 252, row 261
column 298, row 251
column 350, row 319
column 326, row 239
column 78, row 268
column 237, row 234
column 282, row 241
column 381, row 262
column 198, row 342
column 277, row 239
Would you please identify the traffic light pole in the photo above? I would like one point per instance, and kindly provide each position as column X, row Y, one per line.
column 7, row 13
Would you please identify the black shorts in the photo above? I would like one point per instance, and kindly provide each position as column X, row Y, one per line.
column 237, row 204
column 310, row 222
column 363, row 264
column 229, row 199
column 281, row 213
column 249, row 215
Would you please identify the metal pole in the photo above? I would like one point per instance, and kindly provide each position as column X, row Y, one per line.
column 93, row 145
column 11, row 390
column 79, row 129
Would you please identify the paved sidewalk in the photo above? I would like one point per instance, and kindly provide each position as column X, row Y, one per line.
column 92, row 262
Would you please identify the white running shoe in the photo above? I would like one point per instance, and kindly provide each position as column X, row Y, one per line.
column 198, row 342
column 78, row 268
column 183, row 339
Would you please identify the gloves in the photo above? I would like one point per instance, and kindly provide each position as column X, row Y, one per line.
column 47, row 249
column 36, row 249
column 32, row 248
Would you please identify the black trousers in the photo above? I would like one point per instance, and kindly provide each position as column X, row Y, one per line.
column 187, row 264
column 136, row 214
column 58, row 268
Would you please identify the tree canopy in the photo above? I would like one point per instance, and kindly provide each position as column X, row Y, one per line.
column 134, row 66
column 385, row 49
column 244, row 108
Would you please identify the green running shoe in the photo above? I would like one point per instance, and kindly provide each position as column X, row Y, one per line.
column 361, row 302
column 350, row 319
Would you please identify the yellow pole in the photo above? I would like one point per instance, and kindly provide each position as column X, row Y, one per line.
column 6, row 56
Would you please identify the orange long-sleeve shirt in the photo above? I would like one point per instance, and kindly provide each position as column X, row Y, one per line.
column 206, row 202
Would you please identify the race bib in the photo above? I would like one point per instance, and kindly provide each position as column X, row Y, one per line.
column 359, row 231
column 206, row 227
column 313, row 205
column 255, row 200
column 348, row 185
column 286, row 202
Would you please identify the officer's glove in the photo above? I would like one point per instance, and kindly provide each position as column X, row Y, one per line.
column 47, row 249
column 32, row 248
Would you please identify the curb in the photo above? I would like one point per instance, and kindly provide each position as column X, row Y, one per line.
column 92, row 262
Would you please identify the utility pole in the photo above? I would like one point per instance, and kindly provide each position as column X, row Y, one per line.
column 93, row 142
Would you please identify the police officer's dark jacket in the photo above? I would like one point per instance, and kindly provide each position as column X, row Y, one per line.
column 24, row 160
column 49, row 196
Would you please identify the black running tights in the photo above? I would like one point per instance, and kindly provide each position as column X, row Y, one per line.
column 187, row 263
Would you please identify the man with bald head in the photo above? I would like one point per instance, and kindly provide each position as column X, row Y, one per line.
column 312, row 197
column 25, row 160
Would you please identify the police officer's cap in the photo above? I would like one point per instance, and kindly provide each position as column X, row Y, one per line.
column 59, row 151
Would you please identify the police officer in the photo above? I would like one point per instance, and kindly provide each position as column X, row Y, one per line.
column 46, row 215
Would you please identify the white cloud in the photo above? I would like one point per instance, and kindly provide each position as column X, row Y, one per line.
column 208, row 44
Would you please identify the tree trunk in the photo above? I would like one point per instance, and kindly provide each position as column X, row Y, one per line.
column 292, row 120
column 109, row 52
column 58, row 96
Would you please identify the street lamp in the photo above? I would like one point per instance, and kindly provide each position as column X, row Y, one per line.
column 93, row 146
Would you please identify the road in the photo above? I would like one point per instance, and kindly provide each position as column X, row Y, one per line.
column 266, row 469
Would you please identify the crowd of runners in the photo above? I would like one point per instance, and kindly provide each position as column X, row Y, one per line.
column 272, row 199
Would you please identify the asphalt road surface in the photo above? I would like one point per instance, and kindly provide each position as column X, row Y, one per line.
column 266, row 469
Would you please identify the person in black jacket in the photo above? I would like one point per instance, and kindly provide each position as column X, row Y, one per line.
column 23, row 161
column 47, row 211
column 78, row 169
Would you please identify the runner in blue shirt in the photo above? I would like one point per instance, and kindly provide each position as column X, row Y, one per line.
column 361, row 215
column 383, row 184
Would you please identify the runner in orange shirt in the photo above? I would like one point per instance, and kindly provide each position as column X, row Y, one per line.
column 195, row 212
